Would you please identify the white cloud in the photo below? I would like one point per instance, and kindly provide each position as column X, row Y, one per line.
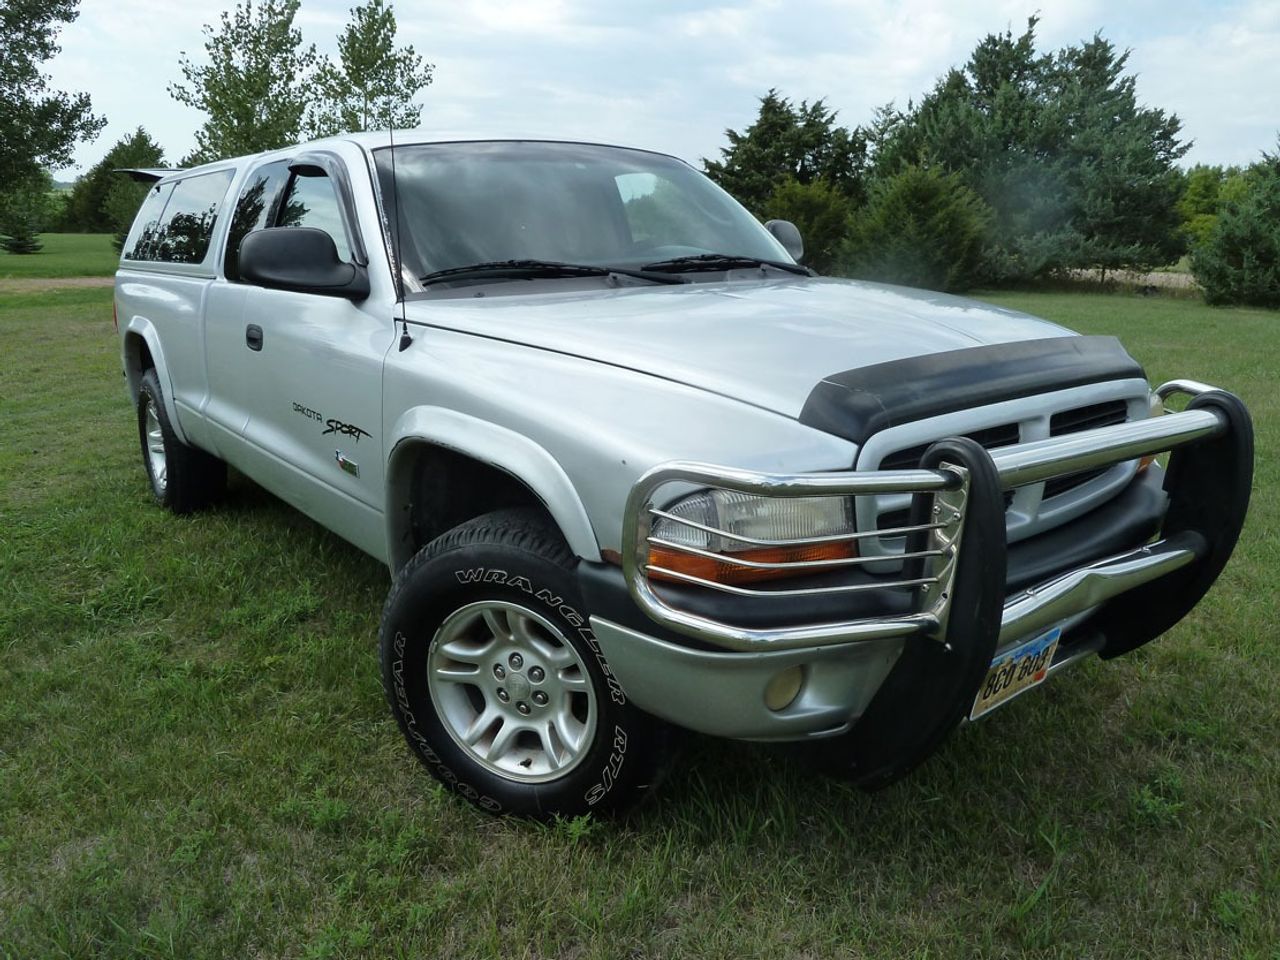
column 673, row 74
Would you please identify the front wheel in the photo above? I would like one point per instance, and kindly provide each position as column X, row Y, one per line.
column 498, row 684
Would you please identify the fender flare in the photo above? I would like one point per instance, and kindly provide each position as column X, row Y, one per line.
column 489, row 443
column 145, row 329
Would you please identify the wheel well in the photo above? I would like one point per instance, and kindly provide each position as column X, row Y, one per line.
column 137, row 361
column 439, row 489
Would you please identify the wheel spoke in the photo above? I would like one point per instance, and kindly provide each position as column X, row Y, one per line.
column 481, row 725
column 550, row 745
column 466, row 651
column 503, row 740
column 523, row 630
column 498, row 622
column 451, row 672
column 568, row 730
column 573, row 679
column 557, row 657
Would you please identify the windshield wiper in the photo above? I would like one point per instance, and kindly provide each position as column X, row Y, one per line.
column 721, row 261
column 533, row 269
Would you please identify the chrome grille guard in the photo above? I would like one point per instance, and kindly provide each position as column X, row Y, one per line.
column 936, row 542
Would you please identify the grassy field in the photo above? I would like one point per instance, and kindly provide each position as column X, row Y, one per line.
column 63, row 255
column 196, row 760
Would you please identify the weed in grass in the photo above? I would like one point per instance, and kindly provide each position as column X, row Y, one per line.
column 1158, row 803
column 1234, row 909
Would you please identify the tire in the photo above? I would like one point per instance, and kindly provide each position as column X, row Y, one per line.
column 182, row 478
column 498, row 684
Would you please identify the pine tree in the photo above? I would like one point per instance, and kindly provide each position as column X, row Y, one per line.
column 801, row 143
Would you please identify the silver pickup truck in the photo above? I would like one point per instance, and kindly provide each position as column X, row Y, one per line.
column 633, row 468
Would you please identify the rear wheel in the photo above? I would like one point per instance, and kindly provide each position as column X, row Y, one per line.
column 182, row 478
column 498, row 684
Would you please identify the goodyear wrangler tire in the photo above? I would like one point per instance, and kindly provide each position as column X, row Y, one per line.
column 497, row 682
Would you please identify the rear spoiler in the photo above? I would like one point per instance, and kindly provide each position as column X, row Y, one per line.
column 147, row 174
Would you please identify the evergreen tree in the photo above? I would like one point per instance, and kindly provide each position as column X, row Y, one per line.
column 921, row 228
column 25, row 211
column 373, row 83
column 1078, row 174
column 789, row 143
column 821, row 214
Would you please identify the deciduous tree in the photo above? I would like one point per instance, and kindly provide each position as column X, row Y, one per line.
column 87, row 208
column 373, row 83
column 253, row 85
column 1239, row 261
column 39, row 127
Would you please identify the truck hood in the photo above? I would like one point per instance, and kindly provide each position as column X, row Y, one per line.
column 767, row 343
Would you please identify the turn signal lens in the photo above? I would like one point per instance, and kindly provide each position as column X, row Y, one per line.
column 756, row 530
column 725, row 571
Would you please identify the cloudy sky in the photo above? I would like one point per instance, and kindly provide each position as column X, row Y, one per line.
column 673, row 75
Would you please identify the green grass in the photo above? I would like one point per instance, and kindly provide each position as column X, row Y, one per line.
column 64, row 255
column 196, row 761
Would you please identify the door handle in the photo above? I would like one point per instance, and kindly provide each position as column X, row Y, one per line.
column 253, row 336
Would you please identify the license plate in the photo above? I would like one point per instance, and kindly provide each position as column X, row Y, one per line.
column 1015, row 672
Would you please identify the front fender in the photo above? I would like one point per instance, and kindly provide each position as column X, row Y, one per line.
column 497, row 446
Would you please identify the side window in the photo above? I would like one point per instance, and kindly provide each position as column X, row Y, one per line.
column 140, row 243
column 181, row 233
column 312, row 202
column 253, row 210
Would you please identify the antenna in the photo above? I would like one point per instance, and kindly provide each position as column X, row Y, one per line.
column 405, row 339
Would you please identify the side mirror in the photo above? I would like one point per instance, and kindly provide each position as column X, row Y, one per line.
column 785, row 232
column 302, row 259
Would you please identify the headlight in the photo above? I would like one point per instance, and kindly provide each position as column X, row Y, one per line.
column 740, row 538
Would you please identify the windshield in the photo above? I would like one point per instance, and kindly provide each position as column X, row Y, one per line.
column 483, row 203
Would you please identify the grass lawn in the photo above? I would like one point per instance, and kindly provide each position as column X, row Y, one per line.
column 64, row 255
column 196, row 760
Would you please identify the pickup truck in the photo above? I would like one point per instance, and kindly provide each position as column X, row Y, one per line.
column 633, row 468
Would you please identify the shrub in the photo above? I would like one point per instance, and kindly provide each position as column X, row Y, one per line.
column 820, row 213
column 922, row 228
column 1239, row 262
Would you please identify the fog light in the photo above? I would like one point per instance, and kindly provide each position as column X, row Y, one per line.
column 784, row 688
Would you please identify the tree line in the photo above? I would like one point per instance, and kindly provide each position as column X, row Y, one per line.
column 1016, row 167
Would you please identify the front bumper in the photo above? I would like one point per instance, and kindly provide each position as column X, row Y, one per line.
column 907, row 673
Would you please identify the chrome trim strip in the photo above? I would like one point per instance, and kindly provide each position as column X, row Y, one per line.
column 805, row 542
column 784, row 565
column 800, row 592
